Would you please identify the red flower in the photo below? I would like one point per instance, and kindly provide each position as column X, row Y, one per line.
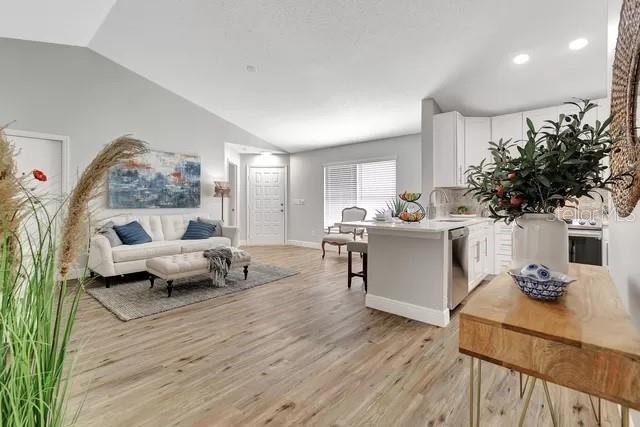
column 39, row 175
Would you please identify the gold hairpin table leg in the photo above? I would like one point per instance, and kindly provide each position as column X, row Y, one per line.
column 554, row 420
column 527, row 400
column 597, row 413
column 478, row 394
column 625, row 417
column 471, row 400
column 522, row 388
column 472, row 392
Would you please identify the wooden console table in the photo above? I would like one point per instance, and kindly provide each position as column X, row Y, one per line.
column 584, row 341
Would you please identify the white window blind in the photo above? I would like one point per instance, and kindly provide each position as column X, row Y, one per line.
column 368, row 184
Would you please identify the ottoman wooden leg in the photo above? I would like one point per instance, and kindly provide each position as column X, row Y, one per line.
column 152, row 278
column 323, row 249
column 169, row 287
column 349, row 269
column 245, row 269
column 107, row 282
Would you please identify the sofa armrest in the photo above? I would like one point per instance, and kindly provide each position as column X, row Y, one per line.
column 231, row 232
column 101, row 257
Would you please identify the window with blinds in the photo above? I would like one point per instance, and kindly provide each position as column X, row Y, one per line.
column 367, row 184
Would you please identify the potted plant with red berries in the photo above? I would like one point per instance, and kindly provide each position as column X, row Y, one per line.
column 526, row 181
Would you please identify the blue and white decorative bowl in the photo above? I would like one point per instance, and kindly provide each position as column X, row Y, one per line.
column 538, row 282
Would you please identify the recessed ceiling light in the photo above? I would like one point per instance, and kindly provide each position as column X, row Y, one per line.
column 578, row 44
column 251, row 68
column 520, row 59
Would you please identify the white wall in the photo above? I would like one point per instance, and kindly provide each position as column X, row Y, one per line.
column 75, row 92
column 624, row 233
column 306, row 178
column 259, row 160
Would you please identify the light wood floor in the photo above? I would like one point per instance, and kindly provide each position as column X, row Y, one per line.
column 301, row 351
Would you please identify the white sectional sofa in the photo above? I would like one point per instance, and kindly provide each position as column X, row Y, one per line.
column 166, row 232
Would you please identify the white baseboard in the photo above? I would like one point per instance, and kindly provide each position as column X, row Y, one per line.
column 302, row 243
column 411, row 311
column 242, row 242
column 315, row 245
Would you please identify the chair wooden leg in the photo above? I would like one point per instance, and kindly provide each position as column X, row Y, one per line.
column 349, row 269
column 339, row 247
column 107, row 282
column 364, row 271
column 152, row 278
column 245, row 270
column 323, row 249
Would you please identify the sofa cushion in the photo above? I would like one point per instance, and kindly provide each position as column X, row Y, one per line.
column 216, row 222
column 197, row 230
column 132, row 233
column 152, row 224
column 174, row 226
column 146, row 250
column 188, row 246
column 107, row 231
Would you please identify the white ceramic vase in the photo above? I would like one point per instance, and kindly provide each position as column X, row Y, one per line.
column 541, row 239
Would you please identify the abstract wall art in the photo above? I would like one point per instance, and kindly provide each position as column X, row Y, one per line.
column 157, row 179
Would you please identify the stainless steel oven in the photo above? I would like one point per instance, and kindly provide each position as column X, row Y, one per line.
column 585, row 242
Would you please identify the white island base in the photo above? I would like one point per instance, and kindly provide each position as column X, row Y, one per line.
column 407, row 274
column 408, row 268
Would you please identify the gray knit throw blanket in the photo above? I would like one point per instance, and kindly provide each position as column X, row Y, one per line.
column 219, row 264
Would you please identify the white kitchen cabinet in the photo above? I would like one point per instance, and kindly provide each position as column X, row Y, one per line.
column 503, row 247
column 507, row 126
column 479, row 241
column 448, row 150
column 477, row 134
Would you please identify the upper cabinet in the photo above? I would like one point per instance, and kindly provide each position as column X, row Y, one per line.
column 477, row 134
column 459, row 142
column 448, row 150
column 507, row 126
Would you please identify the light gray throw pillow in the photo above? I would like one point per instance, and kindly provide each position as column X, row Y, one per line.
column 218, row 223
column 107, row 231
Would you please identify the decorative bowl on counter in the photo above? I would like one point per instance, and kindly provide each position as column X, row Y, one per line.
column 410, row 197
column 416, row 216
column 538, row 282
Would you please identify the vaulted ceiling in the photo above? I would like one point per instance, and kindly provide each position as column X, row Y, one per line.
column 304, row 74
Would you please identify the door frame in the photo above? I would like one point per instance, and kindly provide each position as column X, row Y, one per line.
column 285, row 170
column 51, row 137
column 234, row 190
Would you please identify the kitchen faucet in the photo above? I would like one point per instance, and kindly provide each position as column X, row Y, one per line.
column 432, row 207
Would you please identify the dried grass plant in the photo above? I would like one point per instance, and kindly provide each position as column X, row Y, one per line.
column 11, row 198
column 37, row 308
column 75, row 228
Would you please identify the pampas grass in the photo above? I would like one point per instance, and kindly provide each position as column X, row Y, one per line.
column 37, row 309
column 11, row 198
column 75, row 228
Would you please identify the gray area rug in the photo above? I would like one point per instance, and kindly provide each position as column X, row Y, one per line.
column 133, row 299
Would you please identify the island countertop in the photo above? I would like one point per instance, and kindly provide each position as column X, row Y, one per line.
column 424, row 226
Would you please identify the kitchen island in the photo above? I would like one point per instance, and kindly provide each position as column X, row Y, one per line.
column 411, row 266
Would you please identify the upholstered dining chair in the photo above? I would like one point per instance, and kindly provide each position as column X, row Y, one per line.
column 345, row 234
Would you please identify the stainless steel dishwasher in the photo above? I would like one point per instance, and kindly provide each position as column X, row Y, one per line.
column 458, row 286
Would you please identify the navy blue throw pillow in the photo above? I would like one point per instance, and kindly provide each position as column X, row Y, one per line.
column 132, row 233
column 197, row 230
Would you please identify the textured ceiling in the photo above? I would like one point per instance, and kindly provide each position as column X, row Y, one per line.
column 337, row 71
column 72, row 22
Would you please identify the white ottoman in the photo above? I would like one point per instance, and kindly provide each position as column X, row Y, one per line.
column 172, row 267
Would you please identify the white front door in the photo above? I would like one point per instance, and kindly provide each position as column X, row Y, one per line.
column 267, row 206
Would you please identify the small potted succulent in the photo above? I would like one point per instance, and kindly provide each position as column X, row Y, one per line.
column 526, row 181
